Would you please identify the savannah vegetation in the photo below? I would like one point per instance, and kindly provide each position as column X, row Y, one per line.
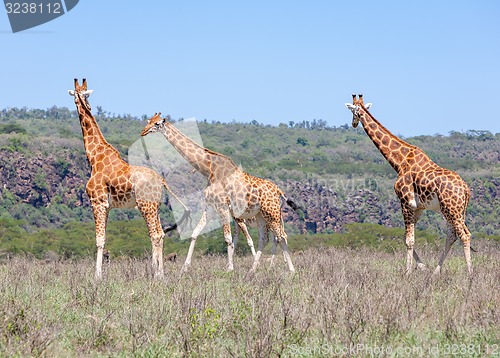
column 340, row 302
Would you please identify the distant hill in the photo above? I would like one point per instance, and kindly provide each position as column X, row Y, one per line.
column 335, row 173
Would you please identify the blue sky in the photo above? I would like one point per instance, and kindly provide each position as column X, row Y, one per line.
column 427, row 67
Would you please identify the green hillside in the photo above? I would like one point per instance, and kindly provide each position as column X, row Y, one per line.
column 335, row 174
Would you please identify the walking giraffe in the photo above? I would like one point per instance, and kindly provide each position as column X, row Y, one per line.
column 421, row 185
column 114, row 183
column 231, row 192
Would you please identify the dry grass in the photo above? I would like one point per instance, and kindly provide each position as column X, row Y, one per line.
column 339, row 303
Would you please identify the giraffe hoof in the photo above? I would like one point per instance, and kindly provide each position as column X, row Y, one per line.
column 437, row 271
column 230, row 269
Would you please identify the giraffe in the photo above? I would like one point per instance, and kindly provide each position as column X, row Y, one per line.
column 421, row 185
column 230, row 191
column 114, row 183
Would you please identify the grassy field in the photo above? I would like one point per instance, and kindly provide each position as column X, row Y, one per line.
column 340, row 302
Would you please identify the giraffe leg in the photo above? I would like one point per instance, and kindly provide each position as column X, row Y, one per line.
column 225, row 218
column 457, row 230
column 465, row 238
column 450, row 239
column 230, row 245
column 237, row 229
column 420, row 264
column 158, row 256
column 161, row 234
column 286, row 254
column 280, row 236
column 241, row 226
column 273, row 250
column 405, row 192
column 410, row 242
column 410, row 216
column 201, row 224
column 150, row 213
column 263, row 238
column 249, row 239
column 100, row 212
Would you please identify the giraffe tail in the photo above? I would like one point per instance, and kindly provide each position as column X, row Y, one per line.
column 290, row 202
column 187, row 212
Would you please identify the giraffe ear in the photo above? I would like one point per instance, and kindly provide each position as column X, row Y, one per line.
column 87, row 92
column 368, row 105
column 71, row 93
column 350, row 106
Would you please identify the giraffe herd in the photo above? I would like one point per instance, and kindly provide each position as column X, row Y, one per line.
column 248, row 200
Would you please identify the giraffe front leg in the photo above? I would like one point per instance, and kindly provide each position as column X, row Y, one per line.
column 420, row 265
column 100, row 218
column 244, row 228
column 230, row 245
column 225, row 219
column 410, row 242
column 409, row 207
column 241, row 226
column 197, row 230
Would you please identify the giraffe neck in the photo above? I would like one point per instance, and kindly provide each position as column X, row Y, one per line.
column 400, row 154
column 93, row 140
column 212, row 165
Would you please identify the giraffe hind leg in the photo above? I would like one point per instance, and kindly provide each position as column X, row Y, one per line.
column 286, row 255
column 263, row 239
column 458, row 230
column 150, row 214
column 280, row 236
column 450, row 239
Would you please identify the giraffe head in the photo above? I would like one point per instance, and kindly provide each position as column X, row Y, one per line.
column 154, row 124
column 81, row 93
column 357, row 104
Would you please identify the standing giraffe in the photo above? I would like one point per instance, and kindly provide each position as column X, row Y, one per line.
column 231, row 192
column 421, row 185
column 114, row 183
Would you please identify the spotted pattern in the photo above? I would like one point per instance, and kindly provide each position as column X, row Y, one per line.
column 230, row 191
column 114, row 183
column 421, row 185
